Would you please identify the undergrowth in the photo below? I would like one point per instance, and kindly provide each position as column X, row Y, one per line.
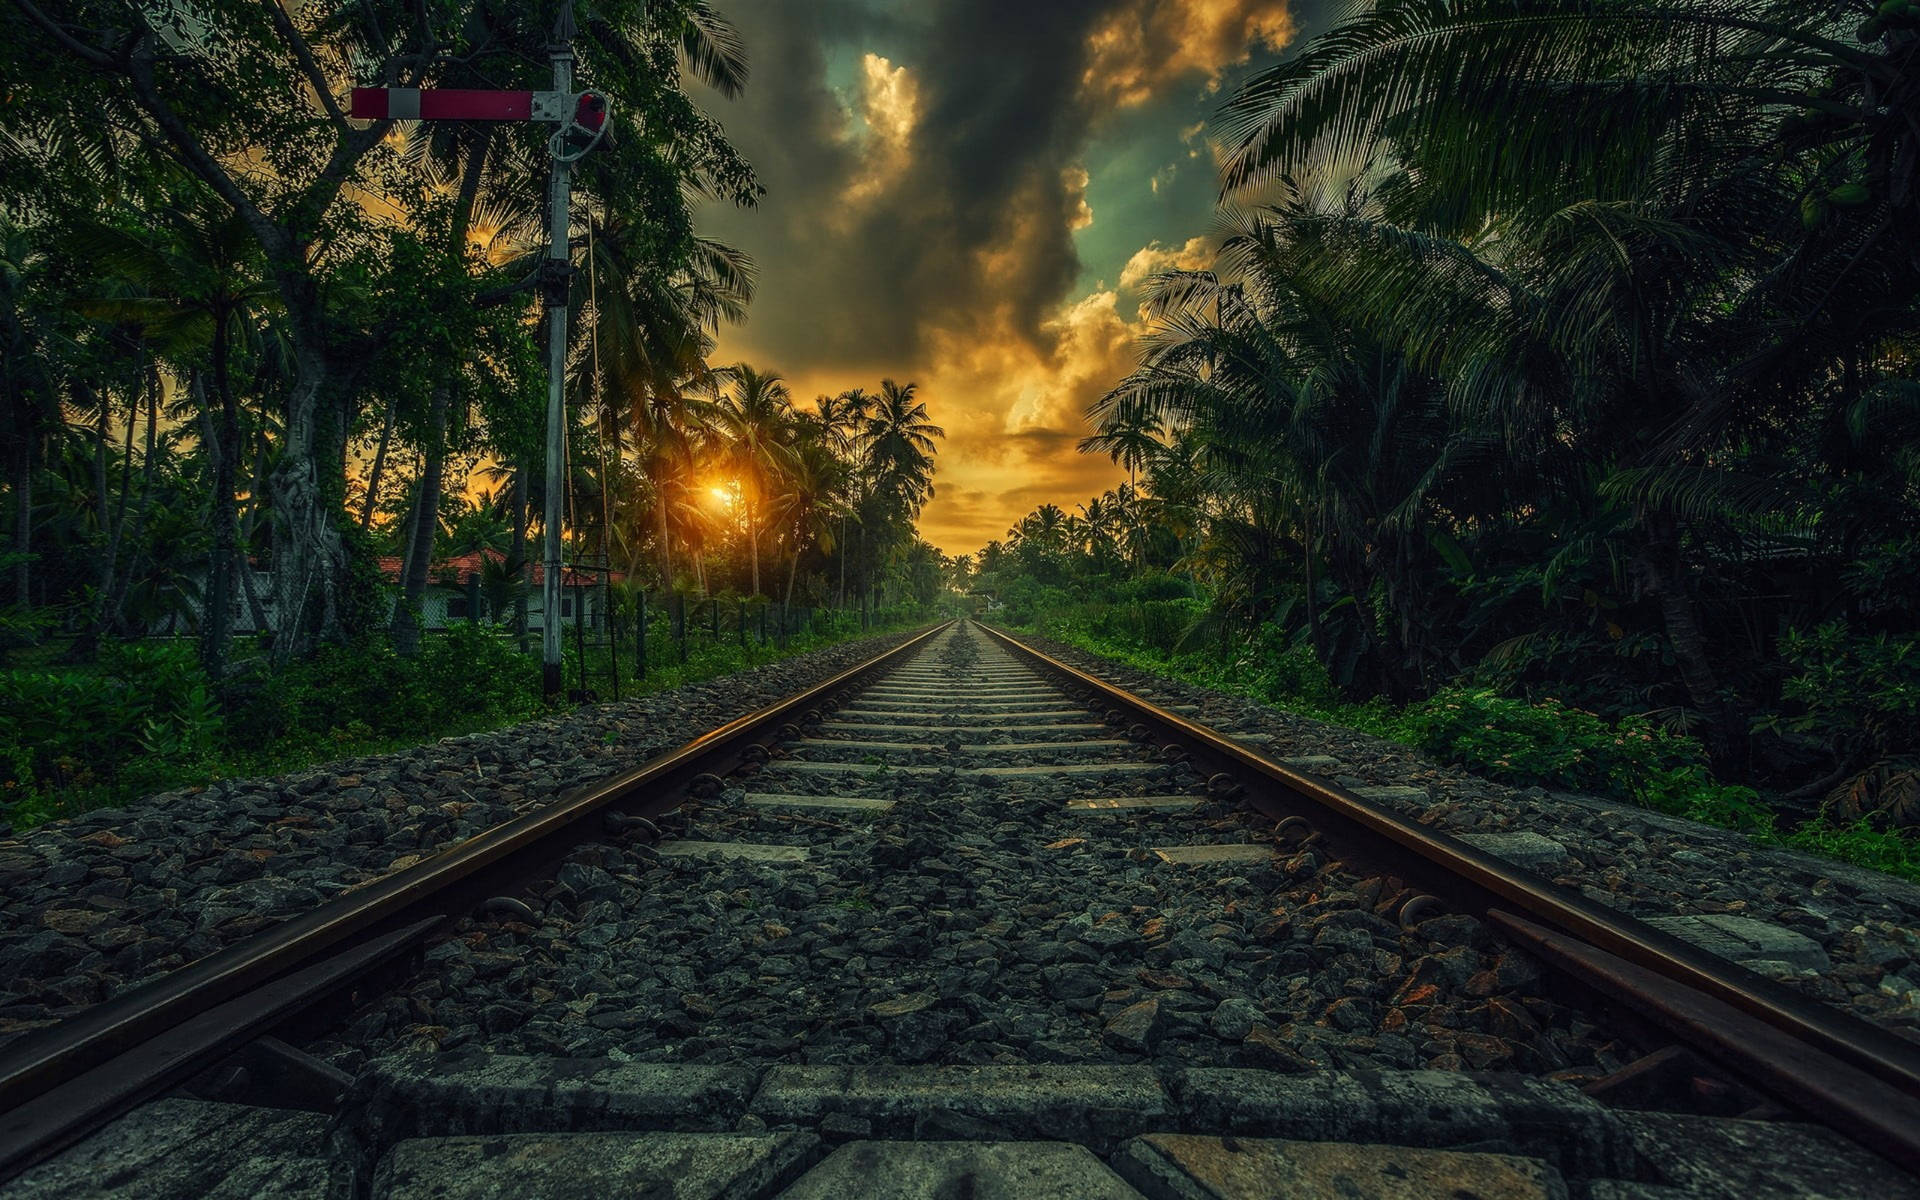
column 145, row 718
column 1521, row 742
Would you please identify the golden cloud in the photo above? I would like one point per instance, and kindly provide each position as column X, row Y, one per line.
column 1153, row 258
column 889, row 107
column 1145, row 46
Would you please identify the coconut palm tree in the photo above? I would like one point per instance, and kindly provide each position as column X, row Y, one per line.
column 754, row 419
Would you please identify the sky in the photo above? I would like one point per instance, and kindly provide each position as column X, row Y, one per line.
column 967, row 194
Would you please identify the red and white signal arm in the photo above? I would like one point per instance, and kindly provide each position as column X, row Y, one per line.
column 588, row 110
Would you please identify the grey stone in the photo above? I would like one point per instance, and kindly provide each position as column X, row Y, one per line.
column 178, row 1149
column 1744, row 939
column 1066, row 1102
column 1513, row 1113
column 1721, row 1159
column 563, row 1166
column 1134, row 1027
column 1234, row 1018
column 1526, row 849
column 976, row 1170
column 1175, row 1166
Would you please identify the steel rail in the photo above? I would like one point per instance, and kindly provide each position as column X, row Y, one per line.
column 1847, row 1072
column 109, row 1039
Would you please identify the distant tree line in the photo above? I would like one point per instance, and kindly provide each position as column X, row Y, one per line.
column 1566, row 345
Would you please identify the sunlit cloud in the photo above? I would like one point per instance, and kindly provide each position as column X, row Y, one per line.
column 1154, row 258
column 889, row 110
column 1143, row 47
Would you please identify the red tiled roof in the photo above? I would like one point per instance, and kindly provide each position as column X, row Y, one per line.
column 462, row 565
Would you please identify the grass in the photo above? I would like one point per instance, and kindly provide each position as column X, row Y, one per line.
column 144, row 719
column 1523, row 743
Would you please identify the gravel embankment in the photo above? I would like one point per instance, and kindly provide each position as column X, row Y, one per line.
column 1644, row 863
column 977, row 921
column 94, row 904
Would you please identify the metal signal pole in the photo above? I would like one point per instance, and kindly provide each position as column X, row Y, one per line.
column 559, row 266
column 581, row 116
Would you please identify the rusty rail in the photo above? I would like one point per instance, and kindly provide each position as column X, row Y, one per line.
column 59, row 1084
column 1821, row 1061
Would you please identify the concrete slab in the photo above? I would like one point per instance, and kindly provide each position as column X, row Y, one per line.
column 560, row 1166
column 1525, row 849
column 405, row 1096
column 1080, row 744
column 1514, row 1114
column 1743, row 939
column 838, row 804
column 1254, row 739
column 958, row 727
column 1392, row 794
column 1316, row 763
column 875, row 771
column 853, row 744
column 1136, row 804
column 1238, row 852
column 948, row 1170
column 1176, row 1166
column 189, row 1148
column 744, row 851
column 1020, row 717
column 1067, row 1103
column 1713, row 1158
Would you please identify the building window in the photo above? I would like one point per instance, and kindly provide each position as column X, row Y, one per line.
column 566, row 608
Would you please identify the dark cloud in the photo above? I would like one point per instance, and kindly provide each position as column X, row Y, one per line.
column 997, row 120
column 926, row 171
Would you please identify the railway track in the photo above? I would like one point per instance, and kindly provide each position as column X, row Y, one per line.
column 963, row 913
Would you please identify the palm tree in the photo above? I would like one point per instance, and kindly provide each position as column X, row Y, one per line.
column 753, row 418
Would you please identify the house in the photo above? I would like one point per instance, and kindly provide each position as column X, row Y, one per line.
column 454, row 591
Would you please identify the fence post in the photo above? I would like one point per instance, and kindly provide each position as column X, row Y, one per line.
column 580, row 632
column 613, row 639
column 640, row 634
column 743, row 622
column 713, row 610
column 680, row 624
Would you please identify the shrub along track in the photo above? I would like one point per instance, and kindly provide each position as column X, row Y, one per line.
column 959, row 872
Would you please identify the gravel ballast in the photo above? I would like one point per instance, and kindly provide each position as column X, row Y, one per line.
column 92, row 905
column 1865, row 924
column 979, row 920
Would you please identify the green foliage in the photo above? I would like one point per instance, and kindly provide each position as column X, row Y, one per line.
column 143, row 714
column 1853, row 689
column 145, row 719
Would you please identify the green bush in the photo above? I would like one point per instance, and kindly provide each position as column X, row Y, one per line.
column 143, row 708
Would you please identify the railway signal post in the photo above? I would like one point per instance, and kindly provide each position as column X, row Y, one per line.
column 581, row 119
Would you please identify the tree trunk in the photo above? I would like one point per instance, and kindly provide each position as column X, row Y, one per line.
column 1314, row 631
column 373, row 475
column 666, row 539
column 1663, row 576
column 217, row 630
column 114, row 616
column 20, row 473
column 517, row 554
column 309, row 558
column 425, row 523
column 753, row 546
column 793, row 568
